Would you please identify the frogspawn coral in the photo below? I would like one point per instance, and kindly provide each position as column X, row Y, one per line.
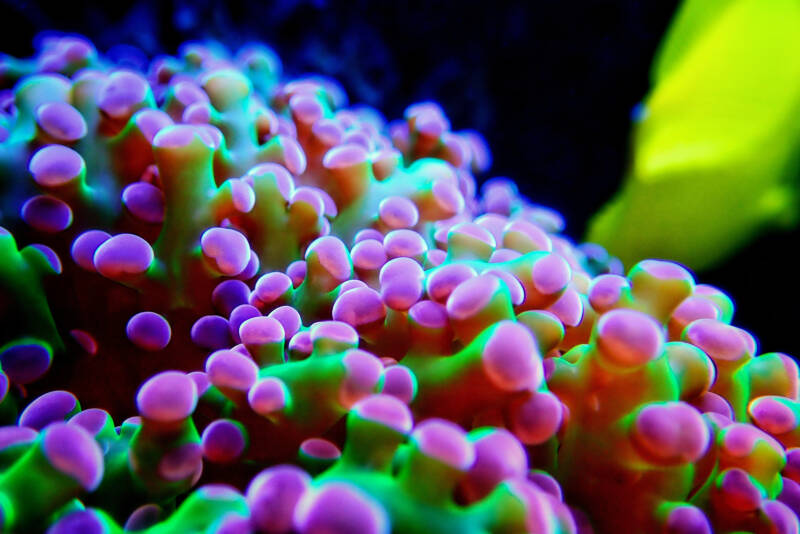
column 233, row 303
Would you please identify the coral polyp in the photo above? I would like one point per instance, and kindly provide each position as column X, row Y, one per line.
column 232, row 303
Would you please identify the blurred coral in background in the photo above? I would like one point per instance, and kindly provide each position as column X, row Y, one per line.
column 716, row 147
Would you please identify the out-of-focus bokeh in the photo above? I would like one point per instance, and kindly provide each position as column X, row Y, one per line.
column 554, row 87
column 716, row 144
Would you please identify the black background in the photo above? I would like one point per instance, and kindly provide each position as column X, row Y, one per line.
column 550, row 84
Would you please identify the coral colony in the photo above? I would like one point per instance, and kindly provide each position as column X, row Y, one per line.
column 231, row 303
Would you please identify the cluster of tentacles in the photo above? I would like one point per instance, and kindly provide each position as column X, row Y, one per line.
column 231, row 303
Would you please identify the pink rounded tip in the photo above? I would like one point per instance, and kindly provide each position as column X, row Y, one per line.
column 223, row 441
column 201, row 380
column 385, row 410
column 502, row 255
column 662, row 270
column 145, row 202
column 48, row 408
column 686, row 519
column 121, row 255
column 525, row 236
column 228, row 295
column 739, row 440
column 270, row 287
column 92, row 420
column 401, row 282
column 434, row 258
column 181, row 463
column 359, row 306
column 332, row 256
column 297, row 272
column 792, row 468
column 368, row 233
column 441, row 282
column 398, row 212
column 344, row 156
column 720, row 341
column 446, row 442
column 148, row 331
column 399, row 382
column 694, row 308
column 300, row 346
column 335, row 334
column 187, row 92
column 551, row 274
column 231, row 369
column 494, row 223
column 780, row 517
column 261, row 331
column 289, row 318
column 310, row 197
column 538, row 418
column 252, row 267
column 47, row 214
column 339, row 508
column 328, row 132
column 56, row 165
column 568, row 308
column 306, row 108
column 233, row 523
column 211, row 332
column 273, row 495
column 628, row 338
column 151, row 121
column 363, row 372
column 498, row 456
column 710, row 402
column 737, row 491
column 773, row 414
column 124, row 92
column 448, row 197
column 349, row 285
column 61, row 121
column 75, row 453
column 672, row 433
column 546, row 483
column 429, row 314
column 320, row 449
column 500, row 451
column 293, row 156
column 180, row 135
column 404, row 243
column 368, row 254
column 197, row 113
column 167, row 397
column 513, row 284
column 85, row 245
column 268, row 395
column 16, row 435
column 50, row 256
column 226, row 249
column 471, row 232
column 472, row 296
column 283, row 179
column 25, row 362
column 511, row 359
column 210, row 135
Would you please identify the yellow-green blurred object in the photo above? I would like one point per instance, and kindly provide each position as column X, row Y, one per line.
column 716, row 151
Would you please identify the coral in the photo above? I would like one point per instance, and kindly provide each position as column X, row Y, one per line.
column 235, row 304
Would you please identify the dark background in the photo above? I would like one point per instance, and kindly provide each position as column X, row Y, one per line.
column 550, row 84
